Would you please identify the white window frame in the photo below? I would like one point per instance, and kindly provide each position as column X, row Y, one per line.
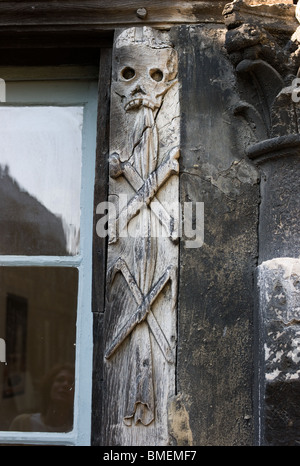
column 78, row 86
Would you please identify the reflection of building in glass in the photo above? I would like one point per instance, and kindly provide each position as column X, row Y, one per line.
column 37, row 304
column 26, row 226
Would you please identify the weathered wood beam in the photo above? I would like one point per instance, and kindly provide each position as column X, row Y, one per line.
column 58, row 14
column 102, row 14
column 77, row 23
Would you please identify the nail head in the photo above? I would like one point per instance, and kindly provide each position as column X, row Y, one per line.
column 141, row 13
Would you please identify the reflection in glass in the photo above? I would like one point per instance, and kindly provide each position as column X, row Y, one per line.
column 38, row 323
column 40, row 180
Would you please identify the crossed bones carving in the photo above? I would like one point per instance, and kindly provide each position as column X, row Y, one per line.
column 143, row 311
column 145, row 193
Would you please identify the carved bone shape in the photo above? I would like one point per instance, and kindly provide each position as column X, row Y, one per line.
column 146, row 192
column 118, row 168
column 144, row 309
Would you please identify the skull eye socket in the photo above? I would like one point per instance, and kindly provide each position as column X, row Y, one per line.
column 128, row 73
column 156, row 74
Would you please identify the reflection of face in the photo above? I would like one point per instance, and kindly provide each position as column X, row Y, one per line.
column 62, row 387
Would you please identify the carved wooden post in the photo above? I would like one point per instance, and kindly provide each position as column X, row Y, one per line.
column 140, row 315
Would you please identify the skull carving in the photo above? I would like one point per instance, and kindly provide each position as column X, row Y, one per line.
column 144, row 74
column 144, row 152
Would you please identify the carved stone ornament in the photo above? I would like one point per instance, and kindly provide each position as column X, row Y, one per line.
column 140, row 317
column 279, row 349
column 267, row 62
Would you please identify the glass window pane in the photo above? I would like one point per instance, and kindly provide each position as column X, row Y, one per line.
column 38, row 327
column 40, row 180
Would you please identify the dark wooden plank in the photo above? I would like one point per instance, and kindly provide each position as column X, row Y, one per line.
column 97, row 390
column 101, row 178
column 216, row 290
column 22, row 38
column 51, row 56
column 100, row 244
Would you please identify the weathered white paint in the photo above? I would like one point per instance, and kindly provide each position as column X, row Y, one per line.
column 289, row 265
column 278, row 283
column 279, row 291
column 273, row 375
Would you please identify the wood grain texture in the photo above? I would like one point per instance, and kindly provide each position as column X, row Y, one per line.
column 116, row 12
column 99, row 244
column 215, row 352
column 139, row 325
column 77, row 23
column 59, row 14
column 101, row 178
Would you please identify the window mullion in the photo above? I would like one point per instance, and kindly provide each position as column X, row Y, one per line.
column 57, row 261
